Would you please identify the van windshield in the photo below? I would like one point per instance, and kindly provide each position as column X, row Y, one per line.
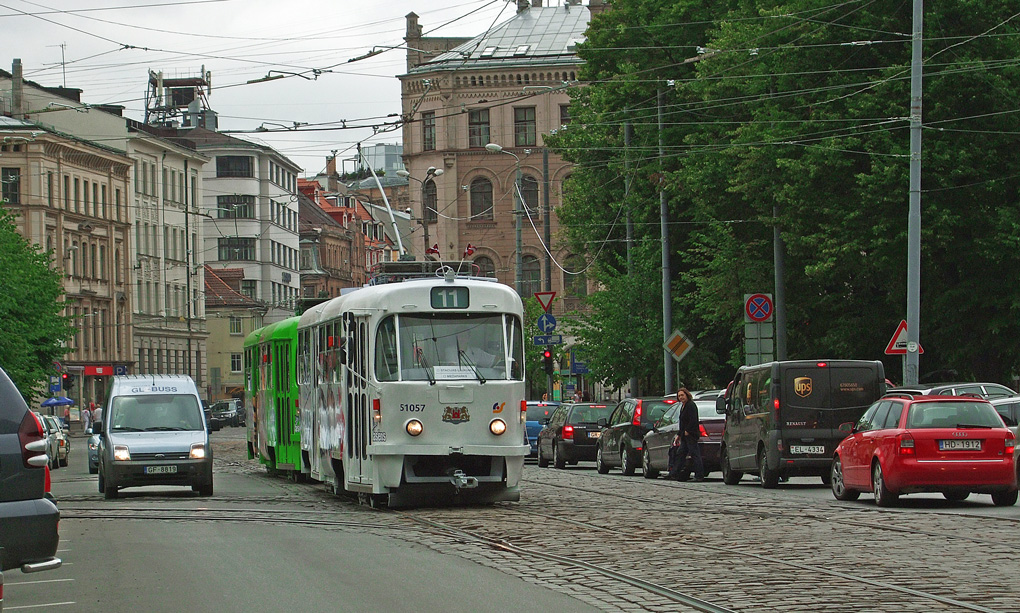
column 155, row 412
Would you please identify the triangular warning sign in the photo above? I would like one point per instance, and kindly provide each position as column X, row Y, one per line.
column 898, row 343
column 545, row 299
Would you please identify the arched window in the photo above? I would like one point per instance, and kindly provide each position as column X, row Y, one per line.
column 485, row 267
column 531, row 276
column 431, row 202
column 481, row 199
column 575, row 283
column 529, row 192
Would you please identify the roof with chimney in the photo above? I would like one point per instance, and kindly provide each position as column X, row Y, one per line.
column 223, row 289
column 533, row 37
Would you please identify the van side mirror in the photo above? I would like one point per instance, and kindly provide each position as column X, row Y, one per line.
column 720, row 405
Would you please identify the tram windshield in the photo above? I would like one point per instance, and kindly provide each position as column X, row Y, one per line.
column 443, row 347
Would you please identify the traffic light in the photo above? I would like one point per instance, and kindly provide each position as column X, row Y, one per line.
column 67, row 380
column 547, row 359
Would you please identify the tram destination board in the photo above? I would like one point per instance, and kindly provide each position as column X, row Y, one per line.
column 450, row 297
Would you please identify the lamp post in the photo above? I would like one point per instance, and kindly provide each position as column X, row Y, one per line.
column 518, row 211
column 429, row 174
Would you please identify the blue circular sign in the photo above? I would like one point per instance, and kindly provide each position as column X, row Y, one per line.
column 546, row 323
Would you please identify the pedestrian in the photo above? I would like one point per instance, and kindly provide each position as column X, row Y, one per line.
column 67, row 417
column 545, row 396
column 86, row 419
column 686, row 440
column 97, row 415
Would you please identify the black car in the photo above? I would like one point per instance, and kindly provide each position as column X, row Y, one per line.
column 571, row 433
column 28, row 515
column 228, row 412
column 622, row 441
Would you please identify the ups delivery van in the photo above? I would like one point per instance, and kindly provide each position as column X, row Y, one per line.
column 782, row 418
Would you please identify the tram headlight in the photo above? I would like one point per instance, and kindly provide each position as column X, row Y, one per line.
column 121, row 453
column 497, row 426
column 414, row 427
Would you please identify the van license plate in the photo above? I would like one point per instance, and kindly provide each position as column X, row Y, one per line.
column 807, row 449
column 160, row 470
column 965, row 444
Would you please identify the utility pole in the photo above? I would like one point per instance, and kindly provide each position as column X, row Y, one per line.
column 547, row 225
column 667, row 306
column 910, row 364
column 628, row 133
column 780, row 271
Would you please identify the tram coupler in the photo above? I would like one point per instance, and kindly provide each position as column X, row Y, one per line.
column 462, row 481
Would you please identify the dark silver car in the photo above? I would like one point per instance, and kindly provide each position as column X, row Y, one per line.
column 29, row 517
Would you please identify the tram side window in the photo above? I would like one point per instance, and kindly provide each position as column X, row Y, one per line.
column 515, row 347
column 336, row 352
column 386, row 367
column 321, row 360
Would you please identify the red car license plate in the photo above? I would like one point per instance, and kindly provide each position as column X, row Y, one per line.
column 958, row 445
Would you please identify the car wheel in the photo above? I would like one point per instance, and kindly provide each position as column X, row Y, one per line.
column 102, row 482
column 203, row 490
column 600, row 465
column 769, row 478
column 1004, row 499
column 839, row 488
column 542, row 462
column 883, row 497
column 63, row 462
column 93, row 469
column 558, row 461
column 729, row 476
column 646, row 466
column 110, row 492
column 54, row 464
column 956, row 496
column 627, row 463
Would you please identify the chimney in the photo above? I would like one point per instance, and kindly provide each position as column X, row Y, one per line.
column 522, row 5
column 17, row 90
column 598, row 6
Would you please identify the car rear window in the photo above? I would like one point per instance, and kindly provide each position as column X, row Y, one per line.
column 589, row 413
column 952, row 415
column 706, row 409
column 655, row 409
column 538, row 412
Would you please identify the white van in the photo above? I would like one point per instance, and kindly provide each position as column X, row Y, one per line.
column 153, row 432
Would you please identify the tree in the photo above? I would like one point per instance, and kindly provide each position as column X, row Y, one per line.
column 797, row 115
column 31, row 301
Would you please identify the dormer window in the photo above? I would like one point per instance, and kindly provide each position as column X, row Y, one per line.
column 521, row 50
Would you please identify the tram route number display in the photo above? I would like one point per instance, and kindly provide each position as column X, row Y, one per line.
column 414, row 408
column 450, row 297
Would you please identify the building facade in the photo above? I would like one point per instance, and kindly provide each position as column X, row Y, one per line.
column 507, row 87
column 330, row 251
column 232, row 316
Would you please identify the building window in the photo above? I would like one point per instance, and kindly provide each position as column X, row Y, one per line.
column 235, row 325
column 235, row 362
column 249, row 288
column 524, row 127
column 431, row 202
column 564, row 114
column 531, row 276
column 235, row 206
column 11, row 179
column 481, row 199
column 478, row 128
column 236, row 249
column 485, row 267
column 234, row 166
column 428, row 131
column 575, row 283
column 529, row 193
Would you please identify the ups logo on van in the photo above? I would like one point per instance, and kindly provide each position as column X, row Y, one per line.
column 802, row 386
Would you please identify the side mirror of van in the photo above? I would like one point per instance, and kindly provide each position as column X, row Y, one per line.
column 847, row 427
column 720, row 405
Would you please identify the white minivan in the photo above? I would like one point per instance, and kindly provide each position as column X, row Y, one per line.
column 153, row 432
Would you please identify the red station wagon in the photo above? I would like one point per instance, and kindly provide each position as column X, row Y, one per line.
column 905, row 444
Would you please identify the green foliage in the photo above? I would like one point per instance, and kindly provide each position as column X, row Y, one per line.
column 780, row 114
column 30, row 311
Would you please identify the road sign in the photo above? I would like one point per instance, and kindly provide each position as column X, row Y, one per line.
column 577, row 366
column 678, row 345
column 54, row 383
column 546, row 323
column 552, row 339
column 898, row 343
column 758, row 308
column 57, row 366
column 545, row 299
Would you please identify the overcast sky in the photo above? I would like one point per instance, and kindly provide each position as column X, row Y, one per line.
column 110, row 45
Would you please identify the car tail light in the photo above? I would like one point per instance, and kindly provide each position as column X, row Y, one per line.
column 46, row 486
column 704, row 432
column 906, row 444
column 568, row 432
column 1010, row 443
column 376, row 410
column 637, row 415
column 524, row 411
column 33, row 445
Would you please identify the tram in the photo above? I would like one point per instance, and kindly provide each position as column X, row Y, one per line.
column 409, row 391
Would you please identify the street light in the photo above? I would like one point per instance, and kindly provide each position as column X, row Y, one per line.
column 431, row 172
column 518, row 212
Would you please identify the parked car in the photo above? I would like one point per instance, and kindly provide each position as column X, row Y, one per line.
column 52, row 443
column 211, row 425
column 905, row 444
column 659, row 439
column 28, row 515
column 1009, row 410
column 63, row 440
column 93, row 453
column 537, row 413
column 228, row 412
column 985, row 390
column 571, row 433
column 706, row 394
column 622, row 441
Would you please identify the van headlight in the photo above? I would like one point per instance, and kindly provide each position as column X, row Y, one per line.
column 121, row 453
column 197, row 451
